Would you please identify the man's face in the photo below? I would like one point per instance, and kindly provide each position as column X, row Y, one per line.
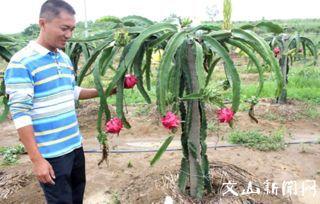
column 58, row 30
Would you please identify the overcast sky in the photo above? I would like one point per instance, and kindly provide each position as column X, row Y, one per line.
column 15, row 15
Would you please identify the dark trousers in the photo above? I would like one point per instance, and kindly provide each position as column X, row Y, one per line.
column 70, row 179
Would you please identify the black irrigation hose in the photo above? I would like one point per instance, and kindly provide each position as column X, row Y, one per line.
column 123, row 151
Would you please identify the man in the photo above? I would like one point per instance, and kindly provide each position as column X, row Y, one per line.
column 41, row 87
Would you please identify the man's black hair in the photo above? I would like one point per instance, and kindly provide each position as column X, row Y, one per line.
column 52, row 8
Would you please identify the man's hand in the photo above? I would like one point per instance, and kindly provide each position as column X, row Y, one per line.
column 86, row 93
column 44, row 171
column 41, row 167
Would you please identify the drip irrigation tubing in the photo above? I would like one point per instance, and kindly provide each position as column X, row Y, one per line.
column 123, row 151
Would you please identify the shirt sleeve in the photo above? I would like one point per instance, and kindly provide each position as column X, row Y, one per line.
column 76, row 89
column 76, row 92
column 20, row 88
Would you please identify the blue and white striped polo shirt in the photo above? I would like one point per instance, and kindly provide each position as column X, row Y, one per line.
column 42, row 93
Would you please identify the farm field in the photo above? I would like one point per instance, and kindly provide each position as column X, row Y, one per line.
column 178, row 110
column 129, row 178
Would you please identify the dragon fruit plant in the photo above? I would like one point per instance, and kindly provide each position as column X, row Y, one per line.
column 289, row 48
column 190, row 55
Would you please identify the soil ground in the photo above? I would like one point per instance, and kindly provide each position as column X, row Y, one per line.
column 129, row 178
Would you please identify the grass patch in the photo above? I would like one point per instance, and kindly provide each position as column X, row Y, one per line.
column 311, row 111
column 11, row 154
column 304, row 85
column 256, row 140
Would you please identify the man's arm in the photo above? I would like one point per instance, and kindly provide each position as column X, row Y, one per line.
column 41, row 167
column 91, row 93
column 19, row 87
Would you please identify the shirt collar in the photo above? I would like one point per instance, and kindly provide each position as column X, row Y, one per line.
column 40, row 49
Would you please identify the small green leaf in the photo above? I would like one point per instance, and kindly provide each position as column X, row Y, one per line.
column 162, row 149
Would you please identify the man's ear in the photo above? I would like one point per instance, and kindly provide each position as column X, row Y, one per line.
column 42, row 22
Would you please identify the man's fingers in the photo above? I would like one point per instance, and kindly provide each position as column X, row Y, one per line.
column 44, row 172
column 40, row 179
column 49, row 179
column 46, row 179
column 43, row 179
column 52, row 172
